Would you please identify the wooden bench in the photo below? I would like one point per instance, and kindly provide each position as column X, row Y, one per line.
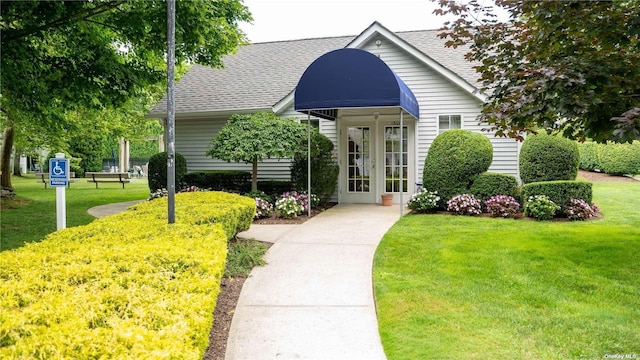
column 106, row 177
column 42, row 177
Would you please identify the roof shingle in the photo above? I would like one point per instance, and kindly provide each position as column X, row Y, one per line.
column 259, row 75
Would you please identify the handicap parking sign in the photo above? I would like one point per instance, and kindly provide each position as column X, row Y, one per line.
column 58, row 172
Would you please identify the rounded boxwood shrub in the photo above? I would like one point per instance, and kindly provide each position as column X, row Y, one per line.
column 560, row 192
column 589, row 156
column 158, row 170
column 489, row 184
column 454, row 161
column 620, row 159
column 547, row 158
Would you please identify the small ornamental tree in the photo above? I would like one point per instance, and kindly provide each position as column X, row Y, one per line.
column 251, row 138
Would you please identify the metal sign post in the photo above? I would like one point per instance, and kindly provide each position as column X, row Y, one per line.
column 59, row 178
column 171, row 116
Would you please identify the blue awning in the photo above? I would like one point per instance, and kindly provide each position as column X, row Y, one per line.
column 351, row 78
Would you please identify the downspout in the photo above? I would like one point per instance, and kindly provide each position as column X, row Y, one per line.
column 402, row 160
column 309, row 162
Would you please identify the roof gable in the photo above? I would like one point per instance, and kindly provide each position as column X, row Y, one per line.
column 263, row 75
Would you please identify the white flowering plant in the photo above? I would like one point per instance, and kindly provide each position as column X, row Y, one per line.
column 424, row 201
column 160, row 193
column 540, row 207
column 291, row 204
column 263, row 208
column 464, row 204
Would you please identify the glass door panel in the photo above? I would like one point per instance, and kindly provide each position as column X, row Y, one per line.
column 359, row 159
column 396, row 158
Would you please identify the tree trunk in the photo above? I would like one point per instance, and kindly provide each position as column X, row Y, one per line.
column 5, row 156
column 17, row 171
column 254, row 175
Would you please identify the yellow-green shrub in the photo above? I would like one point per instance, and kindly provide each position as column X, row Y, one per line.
column 234, row 212
column 125, row 286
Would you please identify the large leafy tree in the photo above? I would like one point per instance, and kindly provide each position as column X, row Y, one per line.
column 63, row 56
column 566, row 66
column 251, row 138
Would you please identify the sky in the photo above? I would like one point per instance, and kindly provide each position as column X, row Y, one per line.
column 276, row 20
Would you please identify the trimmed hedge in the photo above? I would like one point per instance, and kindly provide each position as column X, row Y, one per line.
column 589, row 156
column 548, row 158
column 220, row 180
column 620, row 159
column 125, row 286
column 233, row 212
column 455, row 159
column 275, row 188
column 489, row 184
column 560, row 192
column 158, row 170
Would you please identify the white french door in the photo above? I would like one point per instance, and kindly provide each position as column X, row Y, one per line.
column 358, row 164
column 375, row 159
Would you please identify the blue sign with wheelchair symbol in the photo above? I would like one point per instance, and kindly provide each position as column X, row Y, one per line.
column 58, row 172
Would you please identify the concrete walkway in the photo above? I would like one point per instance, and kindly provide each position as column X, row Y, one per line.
column 314, row 298
column 110, row 209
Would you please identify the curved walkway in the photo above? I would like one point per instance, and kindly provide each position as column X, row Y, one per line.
column 110, row 209
column 314, row 299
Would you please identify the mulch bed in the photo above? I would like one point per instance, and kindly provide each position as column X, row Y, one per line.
column 273, row 219
column 230, row 288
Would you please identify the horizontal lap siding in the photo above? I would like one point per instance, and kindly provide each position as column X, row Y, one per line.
column 193, row 137
column 438, row 96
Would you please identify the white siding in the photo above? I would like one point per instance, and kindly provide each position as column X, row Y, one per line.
column 193, row 137
column 438, row 96
column 435, row 94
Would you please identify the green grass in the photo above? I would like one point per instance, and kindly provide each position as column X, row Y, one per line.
column 243, row 256
column 32, row 214
column 451, row 287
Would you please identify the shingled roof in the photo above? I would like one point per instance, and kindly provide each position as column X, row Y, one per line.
column 261, row 74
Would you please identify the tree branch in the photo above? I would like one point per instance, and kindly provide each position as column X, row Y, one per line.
column 85, row 14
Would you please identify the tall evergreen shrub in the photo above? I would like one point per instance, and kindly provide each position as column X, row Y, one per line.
column 454, row 161
column 547, row 158
column 324, row 170
column 158, row 170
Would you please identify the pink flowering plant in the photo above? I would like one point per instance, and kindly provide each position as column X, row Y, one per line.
column 424, row 201
column 465, row 204
column 292, row 204
column 578, row 209
column 502, row 206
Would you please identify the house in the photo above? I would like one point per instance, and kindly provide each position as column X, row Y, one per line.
column 368, row 93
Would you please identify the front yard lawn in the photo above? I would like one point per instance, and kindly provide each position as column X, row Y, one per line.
column 452, row 287
column 31, row 215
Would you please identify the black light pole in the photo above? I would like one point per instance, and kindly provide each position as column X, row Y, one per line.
column 171, row 168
